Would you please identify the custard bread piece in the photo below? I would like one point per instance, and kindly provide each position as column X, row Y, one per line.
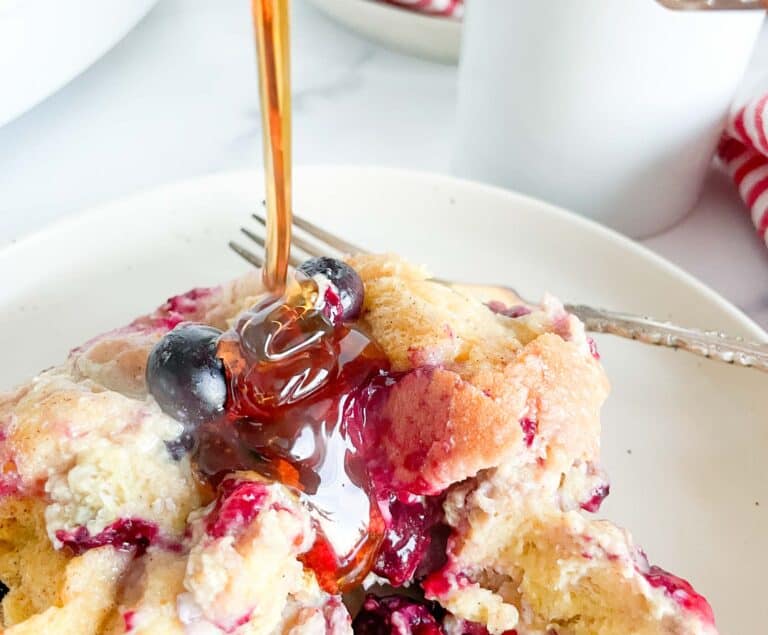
column 491, row 416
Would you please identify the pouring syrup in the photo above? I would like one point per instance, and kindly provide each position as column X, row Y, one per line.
column 271, row 26
column 304, row 381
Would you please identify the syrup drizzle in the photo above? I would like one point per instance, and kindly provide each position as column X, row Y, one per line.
column 299, row 381
column 271, row 26
column 299, row 387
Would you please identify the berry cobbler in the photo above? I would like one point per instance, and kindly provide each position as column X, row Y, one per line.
column 373, row 452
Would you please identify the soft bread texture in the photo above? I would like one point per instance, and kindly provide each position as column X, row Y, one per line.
column 501, row 412
column 559, row 570
column 520, row 557
column 421, row 323
column 246, row 580
column 84, row 599
column 480, row 375
column 29, row 565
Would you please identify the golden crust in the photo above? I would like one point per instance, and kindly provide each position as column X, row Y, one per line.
column 419, row 322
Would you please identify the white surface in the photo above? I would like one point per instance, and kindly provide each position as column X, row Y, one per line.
column 687, row 465
column 434, row 38
column 614, row 114
column 45, row 43
column 177, row 98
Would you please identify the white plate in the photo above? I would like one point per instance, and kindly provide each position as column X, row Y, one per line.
column 432, row 37
column 697, row 430
column 46, row 43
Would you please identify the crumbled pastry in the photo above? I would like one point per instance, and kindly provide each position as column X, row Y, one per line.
column 97, row 456
column 238, row 573
column 559, row 569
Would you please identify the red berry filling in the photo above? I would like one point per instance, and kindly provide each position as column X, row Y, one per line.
column 129, row 619
column 237, row 505
column 414, row 541
column 519, row 310
column 593, row 348
column 596, row 499
column 125, row 534
column 178, row 308
column 462, row 627
column 530, row 427
column 681, row 591
column 397, row 615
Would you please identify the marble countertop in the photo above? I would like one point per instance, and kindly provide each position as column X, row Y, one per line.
column 178, row 98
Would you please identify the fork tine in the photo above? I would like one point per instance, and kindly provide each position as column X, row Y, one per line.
column 320, row 234
column 246, row 254
column 254, row 237
column 334, row 241
column 293, row 259
column 298, row 241
column 326, row 238
column 311, row 249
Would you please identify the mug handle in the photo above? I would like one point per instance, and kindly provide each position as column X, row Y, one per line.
column 697, row 5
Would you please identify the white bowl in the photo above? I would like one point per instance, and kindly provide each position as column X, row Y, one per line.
column 432, row 37
column 46, row 43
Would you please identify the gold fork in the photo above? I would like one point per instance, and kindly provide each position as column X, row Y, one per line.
column 710, row 344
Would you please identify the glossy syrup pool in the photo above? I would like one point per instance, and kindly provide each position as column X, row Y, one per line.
column 299, row 387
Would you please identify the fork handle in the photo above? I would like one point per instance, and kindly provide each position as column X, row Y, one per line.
column 710, row 344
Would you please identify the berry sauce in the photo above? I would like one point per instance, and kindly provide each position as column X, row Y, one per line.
column 179, row 308
column 594, row 502
column 681, row 591
column 125, row 534
column 516, row 311
column 129, row 619
column 302, row 389
column 397, row 615
column 414, row 543
column 237, row 504
column 530, row 427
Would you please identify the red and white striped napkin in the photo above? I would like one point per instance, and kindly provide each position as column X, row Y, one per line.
column 445, row 8
column 744, row 152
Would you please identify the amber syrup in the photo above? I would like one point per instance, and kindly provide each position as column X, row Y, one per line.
column 297, row 380
column 272, row 29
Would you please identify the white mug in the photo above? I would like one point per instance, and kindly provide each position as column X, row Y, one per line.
column 611, row 108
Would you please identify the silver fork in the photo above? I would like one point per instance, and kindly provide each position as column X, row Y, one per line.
column 709, row 344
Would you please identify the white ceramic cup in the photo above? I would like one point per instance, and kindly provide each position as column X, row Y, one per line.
column 612, row 108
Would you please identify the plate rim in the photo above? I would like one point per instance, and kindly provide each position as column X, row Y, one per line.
column 81, row 216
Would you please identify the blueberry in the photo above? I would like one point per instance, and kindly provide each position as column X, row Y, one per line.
column 182, row 445
column 343, row 277
column 185, row 376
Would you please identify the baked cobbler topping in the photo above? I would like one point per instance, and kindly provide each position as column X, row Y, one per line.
column 369, row 426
